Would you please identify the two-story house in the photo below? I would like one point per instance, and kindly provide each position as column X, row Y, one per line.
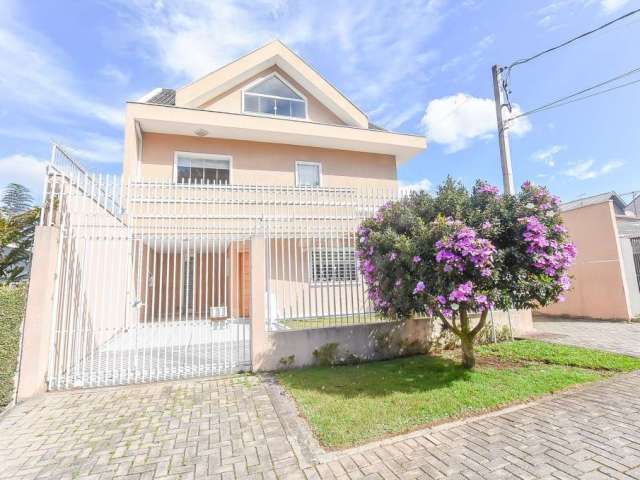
column 239, row 200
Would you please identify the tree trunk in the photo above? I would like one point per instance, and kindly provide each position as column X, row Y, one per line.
column 468, row 355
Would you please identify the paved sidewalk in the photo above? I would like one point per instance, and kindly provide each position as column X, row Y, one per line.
column 620, row 337
column 244, row 427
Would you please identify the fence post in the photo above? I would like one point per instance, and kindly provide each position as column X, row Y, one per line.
column 258, row 288
column 37, row 327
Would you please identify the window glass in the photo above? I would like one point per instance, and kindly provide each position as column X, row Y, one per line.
column 273, row 97
column 308, row 174
column 297, row 109
column 251, row 103
column 267, row 105
column 283, row 107
column 196, row 169
column 274, row 87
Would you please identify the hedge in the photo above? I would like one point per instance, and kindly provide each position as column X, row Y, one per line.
column 12, row 304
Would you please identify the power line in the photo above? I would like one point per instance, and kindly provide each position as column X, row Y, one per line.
column 507, row 77
column 571, row 40
column 564, row 100
column 556, row 105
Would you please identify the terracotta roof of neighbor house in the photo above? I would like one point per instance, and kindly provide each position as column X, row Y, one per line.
column 166, row 96
column 618, row 203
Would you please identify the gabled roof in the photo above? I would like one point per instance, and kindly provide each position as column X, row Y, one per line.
column 276, row 53
column 618, row 203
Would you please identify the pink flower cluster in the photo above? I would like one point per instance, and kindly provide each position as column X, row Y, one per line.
column 463, row 293
column 487, row 188
column 463, row 248
column 549, row 255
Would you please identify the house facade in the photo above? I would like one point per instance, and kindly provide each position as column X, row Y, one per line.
column 229, row 241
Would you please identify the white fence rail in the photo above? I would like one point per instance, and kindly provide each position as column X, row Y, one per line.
column 154, row 278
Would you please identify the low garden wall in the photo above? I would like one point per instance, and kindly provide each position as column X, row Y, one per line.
column 372, row 341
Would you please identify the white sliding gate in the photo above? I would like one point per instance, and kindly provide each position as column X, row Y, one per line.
column 140, row 296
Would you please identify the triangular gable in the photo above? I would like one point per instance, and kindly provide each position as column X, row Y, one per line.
column 275, row 53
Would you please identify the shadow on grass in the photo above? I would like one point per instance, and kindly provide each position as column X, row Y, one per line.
column 406, row 375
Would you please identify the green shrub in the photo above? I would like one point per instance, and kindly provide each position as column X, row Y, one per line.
column 12, row 304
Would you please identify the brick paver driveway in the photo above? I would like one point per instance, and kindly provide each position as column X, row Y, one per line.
column 621, row 337
column 244, row 427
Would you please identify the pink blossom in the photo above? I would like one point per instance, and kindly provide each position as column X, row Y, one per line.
column 420, row 287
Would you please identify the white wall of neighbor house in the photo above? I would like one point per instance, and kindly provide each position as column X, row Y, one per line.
column 630, row 275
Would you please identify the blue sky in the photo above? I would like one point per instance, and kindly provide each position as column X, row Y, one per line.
column 416, row 66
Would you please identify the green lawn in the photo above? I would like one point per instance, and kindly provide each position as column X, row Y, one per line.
column 11, row 311
column 350, row 405
column 530, row 350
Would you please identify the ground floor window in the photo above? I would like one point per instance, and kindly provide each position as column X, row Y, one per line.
column 308, row 174
column 333, row 265
column 202, row 168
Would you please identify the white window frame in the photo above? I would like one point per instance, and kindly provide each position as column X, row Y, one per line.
column 203, row 156
column 314, row 164
column 279, row 77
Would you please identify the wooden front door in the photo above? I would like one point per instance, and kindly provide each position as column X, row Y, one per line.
column 244, row 284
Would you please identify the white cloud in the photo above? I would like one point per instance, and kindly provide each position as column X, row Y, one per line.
column 547, row 155
column 424, row 184
column 114, row 74
column 86, row 147
column 366, row 43
column 26, row 170
column 585, row 170
column 611, row 6
column 396, row 120
column 34, row 77
column 457, row 120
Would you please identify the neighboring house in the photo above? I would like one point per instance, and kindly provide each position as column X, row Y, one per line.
column 606, row 273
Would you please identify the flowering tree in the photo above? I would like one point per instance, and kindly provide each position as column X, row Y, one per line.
column 457, row 253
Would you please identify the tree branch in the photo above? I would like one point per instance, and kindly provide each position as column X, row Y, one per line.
column 481, row 323
column 450, row 325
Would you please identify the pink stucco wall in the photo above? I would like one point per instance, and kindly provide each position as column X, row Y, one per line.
column 599, row 288
column 270, row 163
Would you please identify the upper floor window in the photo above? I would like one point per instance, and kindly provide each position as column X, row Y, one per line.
column 202, row 168
column 308, row 174
column 273, row 96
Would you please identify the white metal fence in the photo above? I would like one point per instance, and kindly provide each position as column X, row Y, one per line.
column 154, row 277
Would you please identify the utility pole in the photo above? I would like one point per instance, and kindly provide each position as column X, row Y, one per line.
column 503, row 135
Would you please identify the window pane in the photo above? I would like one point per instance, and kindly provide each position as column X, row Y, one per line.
column 274, row 86
column 308, row 174
column 196, row 175
column 223, row 176
column 267, row 105
column 297, row 109
column 183, row 173
column 283, row 107
column 251, row 103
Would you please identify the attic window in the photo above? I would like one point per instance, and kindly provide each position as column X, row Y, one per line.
column 273, row 96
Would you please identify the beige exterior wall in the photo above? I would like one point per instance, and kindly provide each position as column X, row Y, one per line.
column 599, row 288
column 37, row 329
column 231, row 101
column 269, row 163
